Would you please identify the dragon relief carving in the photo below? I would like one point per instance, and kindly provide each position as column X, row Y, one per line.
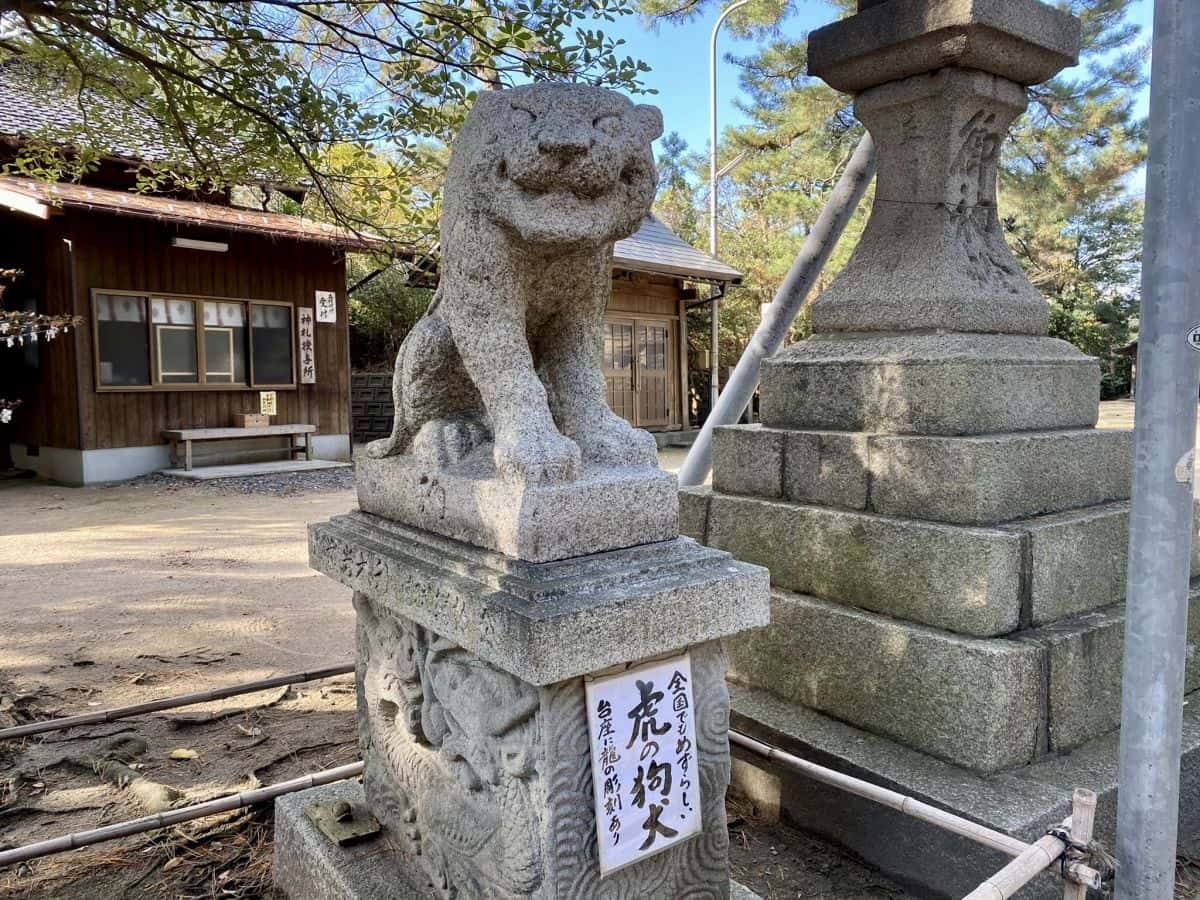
column 450, row 744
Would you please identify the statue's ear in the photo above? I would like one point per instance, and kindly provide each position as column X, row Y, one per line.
column 649, row 118
column 485, row 100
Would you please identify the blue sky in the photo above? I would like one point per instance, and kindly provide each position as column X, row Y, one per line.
column 678, row 56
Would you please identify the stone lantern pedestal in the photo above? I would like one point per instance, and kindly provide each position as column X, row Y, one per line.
column 945, row 527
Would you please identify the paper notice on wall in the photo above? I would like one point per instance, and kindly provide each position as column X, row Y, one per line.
column 308, row 349
column 643, row 744
column 266, row 403
column 326, row 306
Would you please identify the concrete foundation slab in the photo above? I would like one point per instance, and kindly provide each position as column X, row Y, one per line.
column 976, row 703
column 248, row 470
column 308, row 866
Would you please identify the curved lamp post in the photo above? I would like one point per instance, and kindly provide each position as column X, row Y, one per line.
column 713, row 175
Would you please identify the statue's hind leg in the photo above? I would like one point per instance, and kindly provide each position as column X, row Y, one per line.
column 437, row 409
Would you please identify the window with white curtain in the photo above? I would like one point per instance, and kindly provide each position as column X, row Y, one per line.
column 178, row 342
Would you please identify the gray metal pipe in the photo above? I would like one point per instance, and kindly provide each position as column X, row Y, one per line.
column 1160, row 526
column 779, row 315
column 138, row 709
column 177, row 816
column 714, row 360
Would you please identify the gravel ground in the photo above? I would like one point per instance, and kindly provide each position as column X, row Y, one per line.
column 281, row 485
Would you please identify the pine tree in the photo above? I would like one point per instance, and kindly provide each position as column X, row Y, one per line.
column 1069, row 194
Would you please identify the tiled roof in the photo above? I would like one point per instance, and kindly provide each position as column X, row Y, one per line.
column 36, row 104
column 656, row 249
column 36, row 198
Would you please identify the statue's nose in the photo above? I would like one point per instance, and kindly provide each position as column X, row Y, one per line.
column 563, row 143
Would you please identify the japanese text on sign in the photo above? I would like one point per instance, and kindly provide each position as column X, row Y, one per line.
column 308, row 353
column 643, row 740
column 266, row 403
column 326, row 306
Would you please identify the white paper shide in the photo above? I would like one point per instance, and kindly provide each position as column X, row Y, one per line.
column 643, row 740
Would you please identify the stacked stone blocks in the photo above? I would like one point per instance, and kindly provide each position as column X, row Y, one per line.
column 945, row 527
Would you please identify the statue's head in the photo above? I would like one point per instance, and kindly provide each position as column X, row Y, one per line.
column 558, row 165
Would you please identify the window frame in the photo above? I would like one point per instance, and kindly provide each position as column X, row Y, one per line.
column 198, row 300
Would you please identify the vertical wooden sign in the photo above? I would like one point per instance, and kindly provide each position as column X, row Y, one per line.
column 308, row 349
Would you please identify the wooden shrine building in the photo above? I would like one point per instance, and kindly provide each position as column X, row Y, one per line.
column 645, row 328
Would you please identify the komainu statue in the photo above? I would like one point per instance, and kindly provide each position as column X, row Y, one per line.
column 542, row 180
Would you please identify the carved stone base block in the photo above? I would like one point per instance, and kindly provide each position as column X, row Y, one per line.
column 471, row 703
column 310, row 867
column 484, row 780
column 605, row 509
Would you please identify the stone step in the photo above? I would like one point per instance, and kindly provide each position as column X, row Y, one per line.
column 1022, row 802
column 930, row 384
column 975, row 480
column 1084, row 657
column 982, row 704
column 976, row 703
column 981, row 582
column 976, row 581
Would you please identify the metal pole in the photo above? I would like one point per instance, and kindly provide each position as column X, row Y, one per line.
column 713, row 356
column 137, row 709
column 778, row 317
column 1160, row 525
column 177, row 816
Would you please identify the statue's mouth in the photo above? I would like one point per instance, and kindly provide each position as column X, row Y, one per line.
column 567, row 180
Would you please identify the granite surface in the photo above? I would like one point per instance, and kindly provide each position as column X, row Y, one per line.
column 467, row 500
column 933, row 384
column 1022, row 40
column 544, row 622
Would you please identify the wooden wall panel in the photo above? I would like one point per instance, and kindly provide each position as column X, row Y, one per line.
column 645, row 295
column 122, row 253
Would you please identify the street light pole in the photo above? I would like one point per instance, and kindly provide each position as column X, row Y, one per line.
column 1160, row 522
column 712, row 195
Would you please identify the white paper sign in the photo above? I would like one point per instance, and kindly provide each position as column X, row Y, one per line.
column 308, row 349
column 643, row 739
column 266, row 403
column 326, row 306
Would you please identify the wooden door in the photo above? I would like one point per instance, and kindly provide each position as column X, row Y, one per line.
column 618, row 369
column 652, row 379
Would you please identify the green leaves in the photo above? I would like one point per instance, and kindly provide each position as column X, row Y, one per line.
column 265, row 91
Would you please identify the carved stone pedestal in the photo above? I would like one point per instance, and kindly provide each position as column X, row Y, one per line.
column 472, row 716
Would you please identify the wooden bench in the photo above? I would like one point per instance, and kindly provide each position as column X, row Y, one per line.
column 188, row 435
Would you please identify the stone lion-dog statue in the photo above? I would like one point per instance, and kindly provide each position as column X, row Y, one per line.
column 542, row 180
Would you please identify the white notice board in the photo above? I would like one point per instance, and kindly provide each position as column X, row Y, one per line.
column 644, row 774
column 326, row 306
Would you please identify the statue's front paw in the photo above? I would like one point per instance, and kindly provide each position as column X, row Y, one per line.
column 617, row 443
column 537, row 457
column 382, row 448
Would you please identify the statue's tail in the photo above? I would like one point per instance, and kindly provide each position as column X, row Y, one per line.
column 403, row 415
column 395, row 443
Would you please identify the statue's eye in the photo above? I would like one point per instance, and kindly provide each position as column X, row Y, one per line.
column 524, row 115
column 608, row 124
